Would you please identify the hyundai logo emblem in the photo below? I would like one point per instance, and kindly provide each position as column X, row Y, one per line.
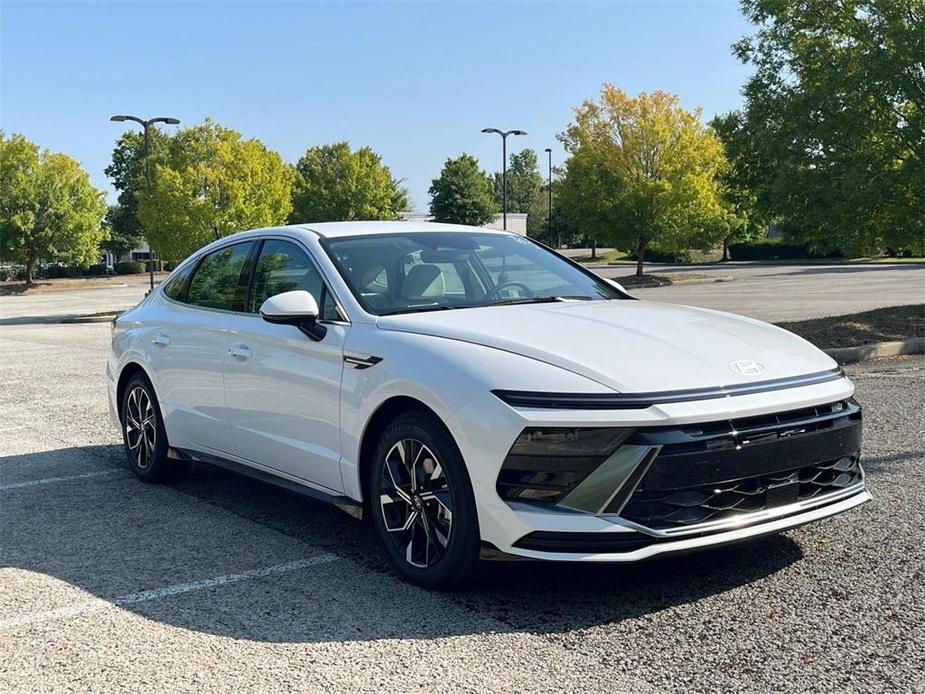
column 748, row 367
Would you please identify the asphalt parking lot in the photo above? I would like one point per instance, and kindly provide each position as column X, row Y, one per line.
column 222, row 583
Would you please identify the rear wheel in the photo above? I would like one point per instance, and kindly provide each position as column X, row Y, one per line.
column 144, row 435
column 422, row 503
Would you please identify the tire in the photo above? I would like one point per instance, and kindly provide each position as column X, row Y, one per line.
column 422, row 505
column 144, row 435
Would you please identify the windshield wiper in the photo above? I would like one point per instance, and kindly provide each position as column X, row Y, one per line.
column 419, row 309
column 538, row 300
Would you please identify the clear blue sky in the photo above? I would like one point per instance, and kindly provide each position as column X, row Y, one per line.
column 414, row 81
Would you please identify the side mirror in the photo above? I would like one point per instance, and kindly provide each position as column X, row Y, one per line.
column 616, row 284
column 297, row 308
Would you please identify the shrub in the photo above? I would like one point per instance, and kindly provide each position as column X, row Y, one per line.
column 97, row 270
column 130, row 267
column 776, row 250
column 658, row 255
column 53, row 272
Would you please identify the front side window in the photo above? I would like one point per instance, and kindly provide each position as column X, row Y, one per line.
column 284, row 267
column 425, row 271
column 220, row 280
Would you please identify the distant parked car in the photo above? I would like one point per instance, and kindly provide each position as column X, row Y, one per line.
column 479, row 396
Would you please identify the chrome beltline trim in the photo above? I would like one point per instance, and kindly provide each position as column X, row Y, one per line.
column 745, row 520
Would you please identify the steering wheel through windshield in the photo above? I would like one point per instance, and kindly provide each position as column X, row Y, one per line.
column 495, row 292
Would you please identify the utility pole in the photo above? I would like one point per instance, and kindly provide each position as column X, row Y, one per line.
column 146, row 124
column 503, row 134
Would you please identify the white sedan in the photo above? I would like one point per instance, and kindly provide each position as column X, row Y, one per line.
column 479, row 396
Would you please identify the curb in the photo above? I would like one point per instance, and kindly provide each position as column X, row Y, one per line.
column 659, row 281
column 852, row 355
column 705, row 280
column 104, row 317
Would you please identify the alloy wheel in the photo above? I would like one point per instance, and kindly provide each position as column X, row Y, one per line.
column 140, row 427
column 416, row 503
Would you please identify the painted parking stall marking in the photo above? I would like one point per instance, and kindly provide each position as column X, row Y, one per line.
column 55, row 480
column 98, row 605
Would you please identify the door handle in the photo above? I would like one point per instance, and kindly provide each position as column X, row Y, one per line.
column 241, row 352
column 160, row 339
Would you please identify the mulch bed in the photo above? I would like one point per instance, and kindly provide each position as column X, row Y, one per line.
column 880, row 325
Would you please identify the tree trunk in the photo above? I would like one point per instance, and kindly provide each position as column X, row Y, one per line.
column 593, row 249
column 30, row 266
column 640, row 256
column 725, row 250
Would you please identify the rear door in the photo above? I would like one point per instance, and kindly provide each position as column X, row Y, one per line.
column 282, row 389
column 188, row 351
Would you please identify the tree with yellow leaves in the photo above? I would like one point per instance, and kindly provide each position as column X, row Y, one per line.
column 643, row 170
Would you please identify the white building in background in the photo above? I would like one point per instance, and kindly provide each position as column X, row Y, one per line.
column 516, row 221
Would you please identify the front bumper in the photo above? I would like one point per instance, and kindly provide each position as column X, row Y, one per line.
column 563, row 546
column 486, row 427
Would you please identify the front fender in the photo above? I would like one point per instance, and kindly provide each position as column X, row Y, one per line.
column 443, row 374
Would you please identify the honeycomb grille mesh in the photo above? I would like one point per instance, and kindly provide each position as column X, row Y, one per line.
column 720, row 501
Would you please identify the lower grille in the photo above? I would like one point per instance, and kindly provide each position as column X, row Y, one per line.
column 694, row 505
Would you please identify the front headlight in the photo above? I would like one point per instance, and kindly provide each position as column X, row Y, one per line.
column 544, row 464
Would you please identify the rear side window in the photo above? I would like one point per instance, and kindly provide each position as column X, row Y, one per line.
column 220, row 281
column 177, row 285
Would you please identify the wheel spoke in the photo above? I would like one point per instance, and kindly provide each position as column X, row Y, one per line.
column 416, row 502
column 140, row 427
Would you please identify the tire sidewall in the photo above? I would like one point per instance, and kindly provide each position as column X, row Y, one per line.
column 155, row 470
column 464, row 536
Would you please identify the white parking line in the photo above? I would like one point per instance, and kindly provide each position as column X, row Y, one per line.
column 99, row 605
column 52, row 480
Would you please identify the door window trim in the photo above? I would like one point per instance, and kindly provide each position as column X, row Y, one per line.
column 251, row 263
column 198, row 262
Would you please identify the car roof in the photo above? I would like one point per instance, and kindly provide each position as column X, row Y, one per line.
column 337, row 229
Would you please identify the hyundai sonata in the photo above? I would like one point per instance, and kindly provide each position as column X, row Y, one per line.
column 479, row 396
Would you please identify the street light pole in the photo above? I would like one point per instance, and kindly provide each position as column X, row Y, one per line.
column 549, row 207
column 503, row 134
column 146, row 124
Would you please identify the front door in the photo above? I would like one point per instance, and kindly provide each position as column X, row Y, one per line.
column 282, row 389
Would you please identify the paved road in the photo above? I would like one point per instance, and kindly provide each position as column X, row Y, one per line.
column 767, row 292
column 220, row 583
column 21, row 309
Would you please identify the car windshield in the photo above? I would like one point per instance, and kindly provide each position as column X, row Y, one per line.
column 431, row 271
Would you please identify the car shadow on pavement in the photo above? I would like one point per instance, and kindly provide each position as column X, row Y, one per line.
column 109, row 535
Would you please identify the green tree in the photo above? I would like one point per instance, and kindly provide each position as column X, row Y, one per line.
column 127, row 173
column 334, row 184
column 210, row 182
column 523, row 182
column 586, row 198
column 462, row 194
column 644, row 170
column 124, row 230
column 835, row 109
column 743, row 181
column 48, row 208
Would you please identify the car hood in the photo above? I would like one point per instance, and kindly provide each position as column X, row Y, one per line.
column 630, row 346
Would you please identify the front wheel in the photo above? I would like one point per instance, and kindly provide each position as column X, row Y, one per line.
column 144, row 435
column 422, row 503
